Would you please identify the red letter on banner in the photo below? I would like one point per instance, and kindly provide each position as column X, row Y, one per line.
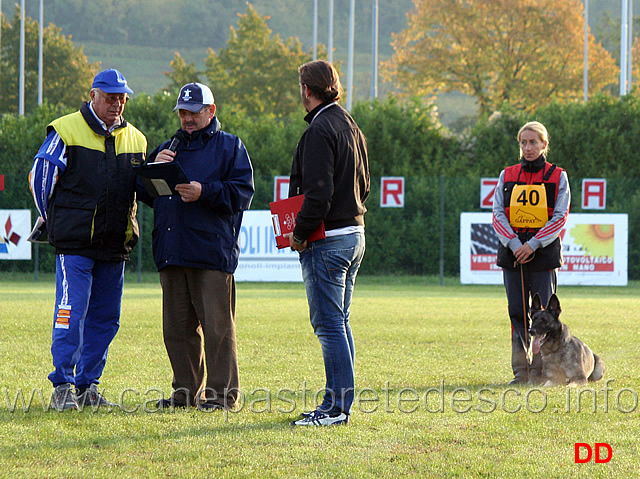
column 487, row 188
column 280, row 188
column 594, row 193
column 392, row 192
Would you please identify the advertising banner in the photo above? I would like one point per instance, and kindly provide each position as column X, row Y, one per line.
column 260, row 259
column 594, row 246
column 15, row 226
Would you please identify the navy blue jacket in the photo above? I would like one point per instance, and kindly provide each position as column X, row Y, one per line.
column 204, row 233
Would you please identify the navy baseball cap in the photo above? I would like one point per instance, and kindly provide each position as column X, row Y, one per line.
column 193, row 97
column 111, row 81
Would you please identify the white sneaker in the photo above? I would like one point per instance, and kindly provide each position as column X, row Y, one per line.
column 319, row 418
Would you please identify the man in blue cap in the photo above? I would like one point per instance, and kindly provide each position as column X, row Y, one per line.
column 83, row 185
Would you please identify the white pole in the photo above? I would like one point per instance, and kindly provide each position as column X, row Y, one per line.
column 21, row 72
column 40, row 55
column 585, row 83
column 330, row 40
column 630, row 46
column 352, row 16
column 315, row 29
column 374, row 50
column 0, row 33
column 624, row 23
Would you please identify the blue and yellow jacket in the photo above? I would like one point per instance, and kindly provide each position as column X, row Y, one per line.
column 89, row 202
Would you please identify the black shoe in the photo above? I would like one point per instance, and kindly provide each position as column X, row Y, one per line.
column 170, row 403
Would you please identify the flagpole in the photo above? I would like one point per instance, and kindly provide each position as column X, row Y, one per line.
column 330, row 40
column 352, row 15
column 374, row 50
column 21, row 72
column 315, row 29
column 624, row 28
column 40, row 54
column 585, row 82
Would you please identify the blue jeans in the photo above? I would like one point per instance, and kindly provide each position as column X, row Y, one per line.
column 329, row 269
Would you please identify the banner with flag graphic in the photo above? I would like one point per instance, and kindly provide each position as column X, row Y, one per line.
column 15, row 226
column 594, row 246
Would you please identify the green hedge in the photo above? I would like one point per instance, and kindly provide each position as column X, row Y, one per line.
column 598, row 139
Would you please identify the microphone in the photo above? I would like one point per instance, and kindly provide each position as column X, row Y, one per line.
column 175, row 141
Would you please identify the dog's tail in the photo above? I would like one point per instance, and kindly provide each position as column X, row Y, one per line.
column 598, row 369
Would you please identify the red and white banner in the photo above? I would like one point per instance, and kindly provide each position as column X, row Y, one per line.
column 392, row 192
column 487, row 188
column 594, row 194
column 280, row 188
column 594, row 246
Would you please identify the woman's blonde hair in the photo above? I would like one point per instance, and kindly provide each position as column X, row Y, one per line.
column 536, row 127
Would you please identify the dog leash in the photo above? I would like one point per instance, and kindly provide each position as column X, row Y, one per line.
column 525, row 344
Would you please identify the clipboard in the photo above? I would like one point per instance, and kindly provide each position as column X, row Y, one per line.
column 160, row 179
column 283, row 217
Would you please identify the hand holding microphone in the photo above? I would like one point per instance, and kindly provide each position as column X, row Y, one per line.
column 169, row 153
column 189, row 192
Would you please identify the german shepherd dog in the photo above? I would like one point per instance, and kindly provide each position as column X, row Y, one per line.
column 565, row 359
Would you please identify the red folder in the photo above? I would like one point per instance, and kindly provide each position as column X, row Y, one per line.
column 283, row 217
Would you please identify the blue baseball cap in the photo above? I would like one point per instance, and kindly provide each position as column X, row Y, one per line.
column 111, row 81
column 193, row 97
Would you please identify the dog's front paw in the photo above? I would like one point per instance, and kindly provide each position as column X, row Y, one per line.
column 574, row 383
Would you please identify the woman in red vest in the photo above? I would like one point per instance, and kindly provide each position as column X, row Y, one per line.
column 530, row 208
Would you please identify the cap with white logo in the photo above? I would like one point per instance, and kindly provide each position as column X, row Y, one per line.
column 193, row 97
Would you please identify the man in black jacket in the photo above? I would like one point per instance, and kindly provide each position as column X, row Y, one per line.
column 330, row 168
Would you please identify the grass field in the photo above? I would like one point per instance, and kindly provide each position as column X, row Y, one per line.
column 431, row 401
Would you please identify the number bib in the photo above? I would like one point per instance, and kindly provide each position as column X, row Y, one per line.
column 528, row 206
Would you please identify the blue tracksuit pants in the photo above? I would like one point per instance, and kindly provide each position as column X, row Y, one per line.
column 86, row 319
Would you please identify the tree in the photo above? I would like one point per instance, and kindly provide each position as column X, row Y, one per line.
column 181, row 73
column 257, row 71
column 67, row 73
column 521, row 52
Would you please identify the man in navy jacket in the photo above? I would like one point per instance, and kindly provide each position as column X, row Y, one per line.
column 195, row 247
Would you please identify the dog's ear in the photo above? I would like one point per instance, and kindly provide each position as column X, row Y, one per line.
column 554, row 306
column 536, row 304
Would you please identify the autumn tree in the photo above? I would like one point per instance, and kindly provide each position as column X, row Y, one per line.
column 521, row 52
column 635, row 64
column 67, row 74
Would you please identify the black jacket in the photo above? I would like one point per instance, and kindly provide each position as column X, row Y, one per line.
column 330, row 167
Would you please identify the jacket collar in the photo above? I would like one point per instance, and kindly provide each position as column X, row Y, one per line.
column 312, row 114
column 533, row 166
column 95, row 123
column 205, row 133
